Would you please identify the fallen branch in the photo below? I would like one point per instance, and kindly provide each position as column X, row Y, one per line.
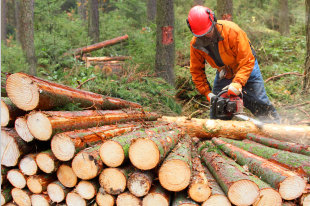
column 102, row 59
column 80, row 84
column 280, row 75
column 297, row 105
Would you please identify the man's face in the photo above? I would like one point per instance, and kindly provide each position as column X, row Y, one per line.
column 210, row 34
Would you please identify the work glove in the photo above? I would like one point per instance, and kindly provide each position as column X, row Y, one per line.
column 234, row 89
column 210, row 96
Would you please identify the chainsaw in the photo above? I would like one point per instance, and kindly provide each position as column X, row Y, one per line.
column 225, row 107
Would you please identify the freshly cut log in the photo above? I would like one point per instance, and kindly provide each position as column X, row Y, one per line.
column 87, row 189
column 17, row 178
column 100, row 45
column 218, row 196
column 297, row 162
column 198, row 189
column 32, row 93
column 57, row 191
column 74, row 199
column 87, row 163
column 40, row 200
column 12, row 147
column 9, row 112
column 104, row 199
column 127, row 199
column 43, row 125
column 157, row 196
column 47, row 162
column 146, row 153
column 181, row 199
column 289, row 184
column 66, row 175
column 287, row 146
column 139, row 183
column 4, row 172
column 305, row 199
column 22, row 129
column 114, row 180
column 233, row 181
column 175, row 172
column 65, row 145
column 101, row 59
column 115, row 151
column 28, row 165
column 208, row 128
column 21, row 196
column 38, row 183
column 6, row 195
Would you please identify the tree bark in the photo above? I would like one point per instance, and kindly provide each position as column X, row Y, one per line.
column 165, row 46
column 126, row 199
column 65, row 145
column 12, row 147
column 232, row 180
column 175, row 172
column 66, row 175
column 16, row 178
column 87, row 189
column 3, row 21
column 17, row 21
column 38, row 183
column 146, row 153
column 45, row 95
column 104, row 199
column 93, row 20
column 9, row 112
column 57, row 191
column 287, row 146
column 43, row 125
column 225, row 9
column 139, row 183
column 82, row 9
column 181, row 199
column 4, row 76
column 157, row 196
column 115, row 151
column 297, row 162
column 289, row 184
column 22, row 129
column 151, row 10
column 27, row 33
column 284, row 18
column 306, row 82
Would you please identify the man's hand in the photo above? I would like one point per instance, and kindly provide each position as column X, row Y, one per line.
column 234, row 89
column 210, row 96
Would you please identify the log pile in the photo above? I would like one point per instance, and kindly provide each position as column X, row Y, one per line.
column 127, row 156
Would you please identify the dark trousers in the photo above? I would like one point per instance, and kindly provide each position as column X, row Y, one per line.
column 254, row 95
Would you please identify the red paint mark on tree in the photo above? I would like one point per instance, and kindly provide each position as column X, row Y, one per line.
column 167, row 35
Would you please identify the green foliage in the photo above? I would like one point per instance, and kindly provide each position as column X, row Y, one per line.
column 12, row 59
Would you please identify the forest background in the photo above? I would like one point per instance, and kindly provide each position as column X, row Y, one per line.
column 276, row 28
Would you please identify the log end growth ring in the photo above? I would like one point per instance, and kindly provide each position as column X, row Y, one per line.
column 217, row 200
column 292, row 187
column 22, row 91
column 103, row 199
column 5, row 114
column 16, row 178
column 39, row 200
column 62, row 147
column 66, row 176
column 154, row 199
column 174, row 175
column 86, row 190
column 84, row 166
column 268, row 197
column 144, row 154
column 39, row 126
column 111, row 153
column 199, row 192
column 20, row 197
column 113, row 181
column 55, row 192
column 22, row 129
column 236, row 192
column 34, row 185
column 9, row 150
column 74, row 199
column 45, row 163
column 28, row 166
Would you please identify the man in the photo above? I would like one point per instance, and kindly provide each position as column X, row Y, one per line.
column 226, row 47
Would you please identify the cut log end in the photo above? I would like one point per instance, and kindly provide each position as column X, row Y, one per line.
column 66, row 176
column 5, row 114
column 40, row 126
column 34, row 185
column 305, row 199
column 62, row 146
column 39, row 200
column 22, row 129
column 174, row 175
column 154, row 199
column 236, row 192
column 55, row 192
column 199, row 192
column 112, row 153
column 16, row 178
column 28, row 165
column 45, row 163
column 2, row 199
column 216, row 200
column 21, row 197
column 292, row 187
column 74, row 199
column 144, row 154
column 113, row 181
column 268, row 197
column 84, row 166
column 86, row 190
column 139, row 184
column 104, row 199
column 126, row 199
column 22, row 91
column 9, row 150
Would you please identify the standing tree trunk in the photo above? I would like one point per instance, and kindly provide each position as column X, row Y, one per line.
column 3, row 21
column 164, row 60
column 151, row 10
column 82, row 9
column 93, row 20
column 284, row 20
column 306, row 85
column 27, row 33
column 17, row 23
column 225, row 9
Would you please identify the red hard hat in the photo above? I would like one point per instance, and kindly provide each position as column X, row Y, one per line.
column 200, row 20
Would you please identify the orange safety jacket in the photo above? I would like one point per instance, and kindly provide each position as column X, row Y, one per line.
column 235, row 55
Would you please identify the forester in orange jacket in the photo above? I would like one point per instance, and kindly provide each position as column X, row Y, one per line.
column 226, row 47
